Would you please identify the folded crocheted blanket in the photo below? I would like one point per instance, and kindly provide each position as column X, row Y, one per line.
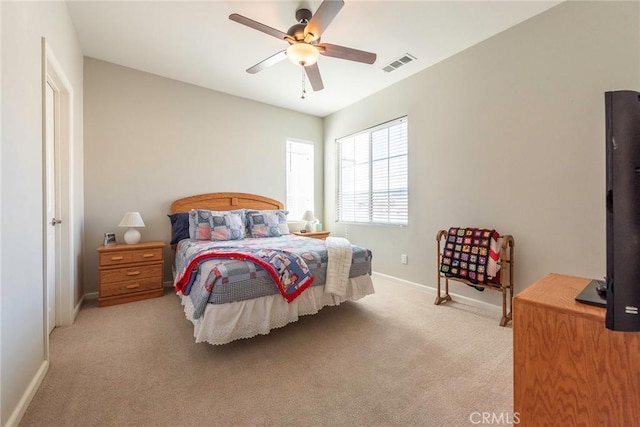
column 470, row 255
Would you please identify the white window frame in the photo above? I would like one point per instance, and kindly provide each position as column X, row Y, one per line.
column 300, row 181
column 367, row 167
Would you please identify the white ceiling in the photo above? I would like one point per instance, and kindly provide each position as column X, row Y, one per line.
column 195, row 42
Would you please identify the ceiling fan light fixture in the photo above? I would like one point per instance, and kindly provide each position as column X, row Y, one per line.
column 303, row 54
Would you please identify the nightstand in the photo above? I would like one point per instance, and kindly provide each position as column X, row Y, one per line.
column 129, row 272
column 322, row 235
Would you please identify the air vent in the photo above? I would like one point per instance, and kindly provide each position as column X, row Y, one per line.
column 397, row 63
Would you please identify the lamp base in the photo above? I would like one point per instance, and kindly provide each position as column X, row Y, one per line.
column 309, row 226
column 132, row 236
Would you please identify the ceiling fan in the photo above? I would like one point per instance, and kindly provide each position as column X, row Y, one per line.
column 304, row 42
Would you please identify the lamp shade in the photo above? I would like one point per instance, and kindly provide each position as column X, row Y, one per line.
column 132, row 220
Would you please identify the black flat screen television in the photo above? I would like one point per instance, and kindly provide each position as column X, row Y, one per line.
column 622, row 110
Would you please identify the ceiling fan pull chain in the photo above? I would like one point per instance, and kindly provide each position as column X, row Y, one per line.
column 303, row 88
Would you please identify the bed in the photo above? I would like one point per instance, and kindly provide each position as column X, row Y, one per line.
column 229, row 288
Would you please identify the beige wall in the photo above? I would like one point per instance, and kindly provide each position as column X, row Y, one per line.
column 21, row 164
column 151, row 140
column 508, row 134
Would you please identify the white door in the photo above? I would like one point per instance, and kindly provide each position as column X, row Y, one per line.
column 51, row 224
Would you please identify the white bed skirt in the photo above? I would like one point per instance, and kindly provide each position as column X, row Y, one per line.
column 223, row 323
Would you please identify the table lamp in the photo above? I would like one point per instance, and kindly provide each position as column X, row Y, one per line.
column 310, row 218
column 131, row 220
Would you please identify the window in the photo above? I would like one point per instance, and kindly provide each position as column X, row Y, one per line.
column 373, row 175
column 300, row 183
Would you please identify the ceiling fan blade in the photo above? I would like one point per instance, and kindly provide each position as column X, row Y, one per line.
column 322, row 18
column 257, row 26
column 273, row 59
column 313, row 73
column 348, row 53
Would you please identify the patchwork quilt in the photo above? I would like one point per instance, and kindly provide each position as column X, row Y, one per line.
column 471, row 254
column 288, row 270
column 229, row 279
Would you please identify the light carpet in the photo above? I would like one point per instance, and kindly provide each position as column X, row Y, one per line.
column 390, row 359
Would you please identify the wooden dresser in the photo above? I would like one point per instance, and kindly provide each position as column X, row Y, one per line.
column 130, row 272
column 569, row 370
column 322, row 235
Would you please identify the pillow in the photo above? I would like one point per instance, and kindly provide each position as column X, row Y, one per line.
column 200, row 224
column 226, row 226
column 179, row 226
column 216, row 225
column 263, row 224
column 281, row 215
column 243, row 217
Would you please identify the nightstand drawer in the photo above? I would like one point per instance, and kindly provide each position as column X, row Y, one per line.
column 115, row 258
column 147, row 255
column 130, row 273
column 123, row 288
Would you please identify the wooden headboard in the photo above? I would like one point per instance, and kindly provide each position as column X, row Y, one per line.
column 224, row 202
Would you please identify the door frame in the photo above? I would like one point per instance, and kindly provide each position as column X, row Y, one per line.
column 54, row 191
column 65, row 289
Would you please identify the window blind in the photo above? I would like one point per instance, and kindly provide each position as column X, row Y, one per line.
column 373, row 175
column 300, row 179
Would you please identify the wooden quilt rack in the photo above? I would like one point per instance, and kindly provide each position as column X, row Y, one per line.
column 506, row 276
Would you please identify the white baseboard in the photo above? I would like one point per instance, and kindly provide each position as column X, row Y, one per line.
column 26, row 398
column 469, row 301
column 167, row 284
